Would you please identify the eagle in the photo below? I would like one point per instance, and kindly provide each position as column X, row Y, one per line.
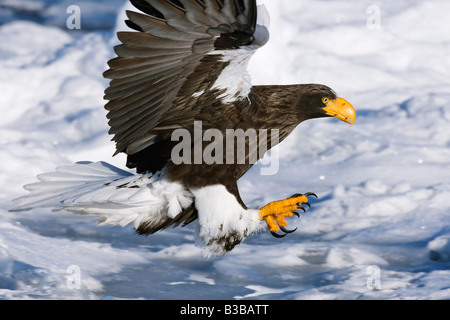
column 182, row 107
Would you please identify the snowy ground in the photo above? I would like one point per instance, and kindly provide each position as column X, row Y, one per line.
column 383, row 217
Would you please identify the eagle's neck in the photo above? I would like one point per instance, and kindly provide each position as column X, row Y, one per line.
column 276, row 107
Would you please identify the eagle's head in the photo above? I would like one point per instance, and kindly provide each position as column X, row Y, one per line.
column 317, row 101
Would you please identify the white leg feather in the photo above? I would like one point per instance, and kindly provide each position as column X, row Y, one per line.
column 223, row 222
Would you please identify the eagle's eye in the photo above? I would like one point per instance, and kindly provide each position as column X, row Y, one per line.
column 325, row 100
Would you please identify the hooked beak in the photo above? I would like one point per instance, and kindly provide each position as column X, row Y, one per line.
column 341, row 109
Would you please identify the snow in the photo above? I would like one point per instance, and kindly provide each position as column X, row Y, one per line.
column 383, row 184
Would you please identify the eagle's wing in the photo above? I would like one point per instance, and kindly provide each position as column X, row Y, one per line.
column 183, row 52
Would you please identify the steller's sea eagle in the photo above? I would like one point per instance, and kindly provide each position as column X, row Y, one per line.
column 180, row 72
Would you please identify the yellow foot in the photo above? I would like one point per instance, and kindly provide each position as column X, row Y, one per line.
column 275, row 213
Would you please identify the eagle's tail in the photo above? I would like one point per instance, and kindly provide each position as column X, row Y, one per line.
column 117, row 197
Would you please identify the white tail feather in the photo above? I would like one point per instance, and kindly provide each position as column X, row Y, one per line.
column 115, row 196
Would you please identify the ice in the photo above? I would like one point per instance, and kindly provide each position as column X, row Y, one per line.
column 383, row 185
column 440, row 248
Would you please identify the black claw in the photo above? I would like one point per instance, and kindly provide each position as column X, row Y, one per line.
column 311, row 194
column 276, row 235
column 301, row 208
column 308, row 194
column 307, row 203
column 287, row 231
column 296, row 214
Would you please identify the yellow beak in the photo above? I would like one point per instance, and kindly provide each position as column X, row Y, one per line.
column 341, row 109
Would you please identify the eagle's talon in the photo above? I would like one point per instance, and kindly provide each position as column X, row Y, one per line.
column 308, row 194
column 287, row 231
column 276, row 212
column 279, row 236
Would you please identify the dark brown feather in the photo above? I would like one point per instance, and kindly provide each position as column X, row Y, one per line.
column 158, row 70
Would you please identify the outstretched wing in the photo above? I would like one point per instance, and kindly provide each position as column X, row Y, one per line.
column 186, row 53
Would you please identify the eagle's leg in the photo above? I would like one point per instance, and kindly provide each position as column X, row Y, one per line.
column 275, row 213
